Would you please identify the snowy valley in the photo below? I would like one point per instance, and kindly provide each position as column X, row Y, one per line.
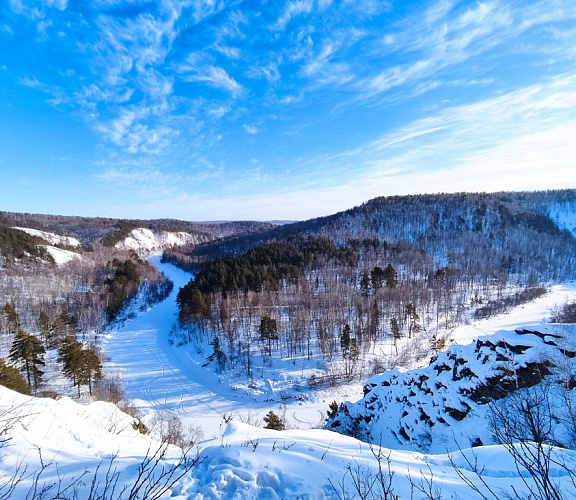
column 421, row 427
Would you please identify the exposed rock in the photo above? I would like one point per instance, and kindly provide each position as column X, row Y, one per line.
column 438, row 400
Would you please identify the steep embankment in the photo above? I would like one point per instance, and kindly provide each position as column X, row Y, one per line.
column 445, row 405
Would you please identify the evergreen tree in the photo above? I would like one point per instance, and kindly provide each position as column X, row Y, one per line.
column 345, row 341
column 268, row 331
column 29, row 351
column 376, row 277
column 10, row 377
column 390, row 276
column 333, row 408
column 12, row 319
column 413, row 319
column 91, row 368
column 374, row 323
column 273, row 421
column 365, row 284
column 70, row 355
column 46, row 329
column 218, row 354
column 80, row 364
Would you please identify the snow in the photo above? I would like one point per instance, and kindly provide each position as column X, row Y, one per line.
column 61, row 256
column 69, row 438
column 564, row 215
column 147, row 241
column 536, row 312
column 415, row 409
column 245, row 462
column 52, row 238
column 240, row 460
column 161, row 376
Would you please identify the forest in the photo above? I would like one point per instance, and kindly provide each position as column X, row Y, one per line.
column 378, row 285
column 343, row 288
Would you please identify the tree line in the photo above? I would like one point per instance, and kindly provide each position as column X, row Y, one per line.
column 308, row 297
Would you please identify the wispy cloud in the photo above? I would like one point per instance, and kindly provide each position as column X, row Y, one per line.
column 448, row 35
column 323, row 94
column 292, row 9
column 213, row 76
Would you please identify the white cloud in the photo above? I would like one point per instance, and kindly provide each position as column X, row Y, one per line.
column 291, row 10
column 215, row 77
column 444, row 36
column 250, row 129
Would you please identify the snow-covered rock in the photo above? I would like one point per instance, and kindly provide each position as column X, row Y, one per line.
column 54, row 239
column 444, row 405
column 147, row 241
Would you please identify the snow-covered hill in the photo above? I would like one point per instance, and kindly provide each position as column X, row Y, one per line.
column 564, row 215
column 54, row 239
column 60, row 255
column 146, row 241
column 60, row 449
column 444, row 405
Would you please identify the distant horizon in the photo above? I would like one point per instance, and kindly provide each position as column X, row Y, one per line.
column 287, row 221
column 285, row 110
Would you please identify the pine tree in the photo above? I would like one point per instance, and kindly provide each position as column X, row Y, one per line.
column 365, row 284
column 345, row 341
column 333, row 408
column 46, row 329
column 70, row 355
column 10, row 377
column 91, row 368
column 12, row 319
column 390, row 276
column 376, row 277
column 80, row 364
column 374, row 323
column 413, row 319
column 218, row 354
column 268, row 331
column 273, row 421
column 28, row 350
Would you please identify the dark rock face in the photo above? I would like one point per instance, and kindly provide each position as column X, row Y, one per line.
column 409, row 407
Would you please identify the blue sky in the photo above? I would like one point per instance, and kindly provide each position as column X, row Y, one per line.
column 215, row 110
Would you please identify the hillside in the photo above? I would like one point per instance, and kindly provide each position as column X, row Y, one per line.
column 89, row 230
column 377, row 286
column 447, row 405
column 431, row 221
column 295, row 326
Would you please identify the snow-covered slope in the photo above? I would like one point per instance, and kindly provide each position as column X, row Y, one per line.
column 59, row 255
column 92, row 451
column 54, row 239
column 251, row 463
column 64, row 441
column 147, row 241
column 443, row 406
column 564, row 215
